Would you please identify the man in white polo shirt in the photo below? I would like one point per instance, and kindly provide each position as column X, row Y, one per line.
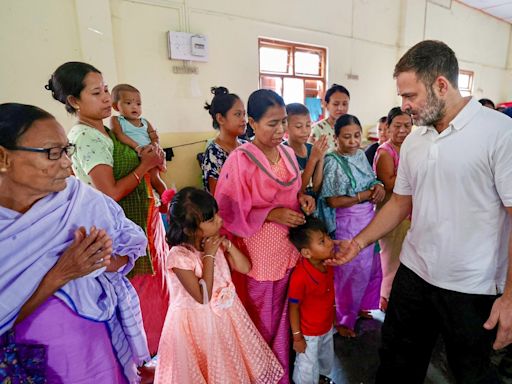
column 455, row 279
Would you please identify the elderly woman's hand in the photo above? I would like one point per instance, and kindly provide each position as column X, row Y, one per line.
column 87, row 253
column 286, row 216
column 378, row 193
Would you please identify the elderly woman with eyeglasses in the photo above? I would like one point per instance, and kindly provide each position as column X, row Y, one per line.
column 64, row 251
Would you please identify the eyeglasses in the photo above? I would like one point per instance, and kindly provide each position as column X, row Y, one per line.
column 54, row 153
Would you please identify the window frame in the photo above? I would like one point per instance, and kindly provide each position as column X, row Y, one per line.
column 292, row 48
column 471, row 75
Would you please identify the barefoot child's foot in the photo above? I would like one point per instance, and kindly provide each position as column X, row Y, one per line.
column 365, row 314
column 345, row 331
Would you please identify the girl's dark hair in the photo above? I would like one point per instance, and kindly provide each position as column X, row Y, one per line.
column 221, row 103
column 16, row 119
column 260, row 101
column 343, row 121
column 335, row 88
column 68, row 80
column 394, row 112
column 296, row 109
column 189, row 208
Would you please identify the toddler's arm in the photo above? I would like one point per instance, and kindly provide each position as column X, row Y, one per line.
column 153, row 136
column 121, row 136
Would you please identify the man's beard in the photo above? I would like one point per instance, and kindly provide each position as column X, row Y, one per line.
column 433, row 111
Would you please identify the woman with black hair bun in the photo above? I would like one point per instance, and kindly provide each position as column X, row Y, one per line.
column 228, row 117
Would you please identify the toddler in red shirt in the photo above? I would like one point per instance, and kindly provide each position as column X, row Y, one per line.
column 311, row 302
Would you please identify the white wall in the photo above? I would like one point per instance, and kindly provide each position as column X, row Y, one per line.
column 126, row 39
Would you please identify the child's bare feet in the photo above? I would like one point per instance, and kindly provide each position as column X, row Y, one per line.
column 345, row 331
column 383, row 304
column 365, row 314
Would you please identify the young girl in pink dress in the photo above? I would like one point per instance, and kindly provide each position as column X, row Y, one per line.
column 208, row 336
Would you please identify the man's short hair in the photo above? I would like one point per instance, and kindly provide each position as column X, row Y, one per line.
column 428, row 60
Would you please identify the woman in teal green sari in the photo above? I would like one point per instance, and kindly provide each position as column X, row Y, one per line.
column 346, row 204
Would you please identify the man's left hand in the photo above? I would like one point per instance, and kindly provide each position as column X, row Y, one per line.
column 501, row 315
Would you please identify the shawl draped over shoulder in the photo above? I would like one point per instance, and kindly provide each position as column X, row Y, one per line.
column 248, row 190
column 32, row 242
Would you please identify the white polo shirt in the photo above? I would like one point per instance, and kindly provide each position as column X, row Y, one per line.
column 460, row 182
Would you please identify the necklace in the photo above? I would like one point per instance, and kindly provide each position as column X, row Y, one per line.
column 273, row 161
column 84, row 123
column 104, row 132
column 224, row 145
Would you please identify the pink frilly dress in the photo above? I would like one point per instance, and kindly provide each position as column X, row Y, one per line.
column 214, row 342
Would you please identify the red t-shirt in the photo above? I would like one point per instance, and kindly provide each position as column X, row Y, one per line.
column 314, row 292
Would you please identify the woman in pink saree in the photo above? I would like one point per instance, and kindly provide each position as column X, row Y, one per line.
column 259, row 198
column 385, row 165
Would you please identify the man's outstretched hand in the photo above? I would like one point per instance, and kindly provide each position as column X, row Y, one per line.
column 346, row 250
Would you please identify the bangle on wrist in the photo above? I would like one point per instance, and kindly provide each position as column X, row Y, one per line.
column 358, row 197
column 229, row 245
column 296, row 333
column 208, row 255
column 136, row 177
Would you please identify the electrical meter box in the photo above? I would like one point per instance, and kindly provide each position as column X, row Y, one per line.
column 187, row 46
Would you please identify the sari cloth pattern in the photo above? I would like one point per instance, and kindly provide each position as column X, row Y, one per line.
column 147, row 275
column 357, row 283
column 391, row 243
column 136, row 204
column 41, row 235
column 248, row 189
column 214, row 342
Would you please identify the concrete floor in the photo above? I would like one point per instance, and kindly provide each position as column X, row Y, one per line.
column 358, row 358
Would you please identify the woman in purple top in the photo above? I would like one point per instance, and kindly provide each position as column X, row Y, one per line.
column 64, row 251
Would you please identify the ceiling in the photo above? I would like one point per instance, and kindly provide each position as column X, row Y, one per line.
column 502, row 9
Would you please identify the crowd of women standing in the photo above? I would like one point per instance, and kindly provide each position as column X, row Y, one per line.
column 99, row 265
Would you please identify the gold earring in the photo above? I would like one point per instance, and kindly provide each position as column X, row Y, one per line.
column 3, row 169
